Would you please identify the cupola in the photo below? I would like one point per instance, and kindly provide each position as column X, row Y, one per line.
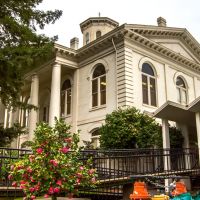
column 95, row 27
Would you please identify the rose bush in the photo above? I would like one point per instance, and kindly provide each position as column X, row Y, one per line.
column 54, row 166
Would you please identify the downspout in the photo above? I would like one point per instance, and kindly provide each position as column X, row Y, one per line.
column 115, row 72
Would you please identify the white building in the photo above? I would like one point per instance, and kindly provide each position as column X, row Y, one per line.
column 153, row 68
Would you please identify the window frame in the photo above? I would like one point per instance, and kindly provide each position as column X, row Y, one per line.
column 181, row 90
column 148, row 82
column 99, row 91
column 66, row 93
column 87, row 38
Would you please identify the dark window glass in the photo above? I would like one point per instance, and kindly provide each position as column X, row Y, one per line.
column 87, row 38
column 147, row 69
column 99, row 71
column 145, row 89
column 180, row 82
column 95, row 93
column 98, row 34
column 153, row 91
column 103, row 90
column 68, row 101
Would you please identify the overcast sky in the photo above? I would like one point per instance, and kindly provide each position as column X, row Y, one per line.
column 178, row 13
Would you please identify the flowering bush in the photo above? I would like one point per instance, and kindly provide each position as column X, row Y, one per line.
column 54, row 166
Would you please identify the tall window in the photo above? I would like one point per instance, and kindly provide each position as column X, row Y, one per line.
column 98, row 34
column 66, row 97
column 148, row 85
column 181, row 91
column 87, row 38
column 99, row 86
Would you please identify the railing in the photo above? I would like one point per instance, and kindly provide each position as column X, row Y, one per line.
column 115, row 164
column 115, row 167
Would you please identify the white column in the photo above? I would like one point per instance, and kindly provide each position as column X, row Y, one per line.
column 166, row 145
column 54, row 110
column 75, row 100
column 198, row 130
column 33, row 117
column 5, row 118
column 10, row 118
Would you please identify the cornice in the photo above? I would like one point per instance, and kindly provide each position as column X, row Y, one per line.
column 62, row 50
column 168, row 32
column 164, row 51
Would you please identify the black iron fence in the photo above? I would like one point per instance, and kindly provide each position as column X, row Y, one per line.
column 118, row 167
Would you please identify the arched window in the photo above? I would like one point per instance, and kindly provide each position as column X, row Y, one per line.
column 87, row 38
column 148, row 85
column 98, row 34
column 181, row 90
column 95, row 138
column 66, row 96
column 99, row 86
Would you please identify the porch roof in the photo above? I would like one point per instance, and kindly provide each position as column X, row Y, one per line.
column 179, row 113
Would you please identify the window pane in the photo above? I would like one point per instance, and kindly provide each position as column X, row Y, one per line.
column 153, row 92
column 184, row 97
column 94, row 99
column 180, row 82
column 95, row 86
column 178, row 95
column 62, row 104
column 103, row 89
column 66, row 85
column 68, row 101
column 147, row 69
column 145, row 89
column 99, row 70
column 95, row 93
column 94, row 142
column 98, row 34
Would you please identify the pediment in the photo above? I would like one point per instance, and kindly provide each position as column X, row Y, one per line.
column 178, row 47
column 178, row 40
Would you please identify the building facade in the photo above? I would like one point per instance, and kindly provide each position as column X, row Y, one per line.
column 153, row 68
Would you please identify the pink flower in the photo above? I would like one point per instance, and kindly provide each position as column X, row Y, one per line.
column 81, row 168
column 31, row 158
column 91, row 171
column 32, row 189
column 50, row 191
column 33, row 197
column 59, row 182
column 93, row 180
column 14, row 184
column 46, row 196
column 64, row 149
column 39, row 150
column 78, row 181
column 32, row 180
column 10, row 177
column 29, row 170
column 22, row 182
column 37, row 187
column 12, row 167
column 56, row 190
column 54, row 162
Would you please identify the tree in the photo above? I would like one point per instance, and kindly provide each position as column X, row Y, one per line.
column 8, row 134
column 128, row 128
column 54, row 166
column 20, row 46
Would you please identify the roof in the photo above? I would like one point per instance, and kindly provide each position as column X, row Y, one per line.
column 98, row 20
column 179, row 113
